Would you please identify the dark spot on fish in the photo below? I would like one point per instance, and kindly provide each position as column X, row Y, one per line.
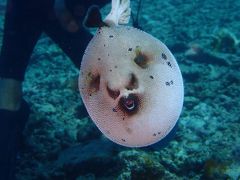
column 89, row 74
column 159, row 132
column 104, row 45
column 110, row 70
column 141, row 59
column 113, row 93
column 90, row 94
column 169, row 64
column 164, row 56
column 129, row 130
column 123, row 118
column 123, row 140
column 94, row 83
column 115, row 67
column 169, row 83
column 108, row 54
column 99, row 59
column 114, row 110
column 154, row 134
column 133, row 84
column 111, row 36
column 129, row 49
column 151, row 77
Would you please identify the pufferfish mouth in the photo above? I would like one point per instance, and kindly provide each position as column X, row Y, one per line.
column 129, row 104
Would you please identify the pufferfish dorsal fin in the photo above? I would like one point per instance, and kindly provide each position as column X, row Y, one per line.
column 93, row 18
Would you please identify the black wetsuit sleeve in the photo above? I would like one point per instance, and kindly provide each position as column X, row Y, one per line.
column 25, row 20
column 73, row 44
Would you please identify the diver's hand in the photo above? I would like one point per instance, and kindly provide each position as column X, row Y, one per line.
column 65, row 17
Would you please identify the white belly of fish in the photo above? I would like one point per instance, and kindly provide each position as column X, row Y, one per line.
column 131, row 86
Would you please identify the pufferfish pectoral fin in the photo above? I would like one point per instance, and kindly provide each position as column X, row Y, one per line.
column 93, row 18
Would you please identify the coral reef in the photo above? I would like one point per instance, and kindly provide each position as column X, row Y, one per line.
column 140, row 165
column 225, row 41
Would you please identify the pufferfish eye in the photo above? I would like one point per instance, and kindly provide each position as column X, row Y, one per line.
column 130, row 103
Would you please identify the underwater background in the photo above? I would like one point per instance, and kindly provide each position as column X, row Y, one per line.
column 204, row 36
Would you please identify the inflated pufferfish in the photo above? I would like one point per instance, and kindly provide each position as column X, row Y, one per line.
column 130, row 82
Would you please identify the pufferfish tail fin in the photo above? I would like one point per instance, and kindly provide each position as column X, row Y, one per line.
column 119, row 14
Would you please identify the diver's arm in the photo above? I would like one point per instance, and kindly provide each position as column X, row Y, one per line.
column 65, row 17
